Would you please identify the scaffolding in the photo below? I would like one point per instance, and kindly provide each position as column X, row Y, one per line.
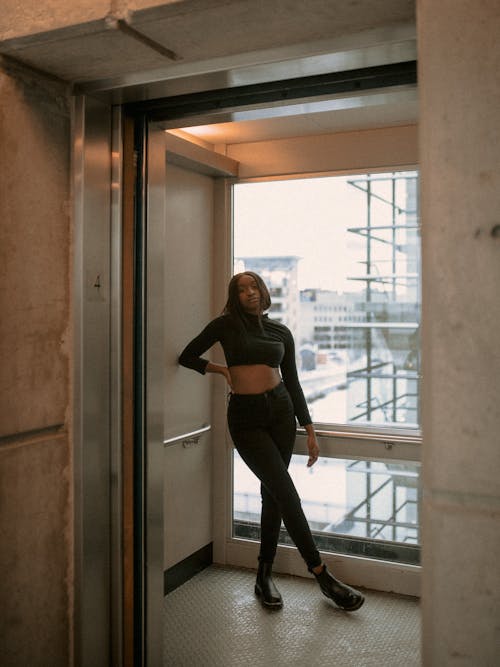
column 398, row 484
column 391, row 385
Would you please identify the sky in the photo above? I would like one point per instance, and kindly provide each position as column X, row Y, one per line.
column 308, row 218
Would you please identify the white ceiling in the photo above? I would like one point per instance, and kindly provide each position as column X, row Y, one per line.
column 377, row 109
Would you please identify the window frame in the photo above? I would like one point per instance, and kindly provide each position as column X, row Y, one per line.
column 364, row 442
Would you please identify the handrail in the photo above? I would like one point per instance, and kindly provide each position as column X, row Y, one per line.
column 187, row 436
column 358, row 435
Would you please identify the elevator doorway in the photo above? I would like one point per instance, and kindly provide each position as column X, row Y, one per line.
column 240, row 551
column 150, row 438
column 179, row 196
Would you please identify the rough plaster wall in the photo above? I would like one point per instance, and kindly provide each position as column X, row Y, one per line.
column 459, row 59
column 19, row 18
column 35, row 460
column 29, row 17
column 34, row 253
column 80, row 41
column 34, row 518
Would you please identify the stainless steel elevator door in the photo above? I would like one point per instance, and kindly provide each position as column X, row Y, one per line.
column 183, row 198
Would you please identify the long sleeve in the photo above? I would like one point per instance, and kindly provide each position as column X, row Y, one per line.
column 291, row 380
column 191, row 357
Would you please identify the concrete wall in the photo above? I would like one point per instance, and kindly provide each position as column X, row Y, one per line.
column 35, row 456
column 20, row 19
column 459, row 60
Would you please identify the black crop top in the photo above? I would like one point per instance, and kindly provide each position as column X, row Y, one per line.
column 271, row 345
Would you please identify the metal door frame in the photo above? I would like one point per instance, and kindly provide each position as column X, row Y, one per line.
column 97, row 572
column 97, row 429
column 97, row 298
column 154, row 336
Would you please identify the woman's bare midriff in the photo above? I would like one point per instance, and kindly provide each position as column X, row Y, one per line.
column 254, row 379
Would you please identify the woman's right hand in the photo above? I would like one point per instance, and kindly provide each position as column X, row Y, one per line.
column 221, row 370
column 227, row 375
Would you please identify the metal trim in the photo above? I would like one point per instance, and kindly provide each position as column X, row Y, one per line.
column 153, row 308
column 377, row 46
column 140, row 330
column 283, row 90
column 116, row 481
column 311, row 105
column 386, row 439
column 91, row 398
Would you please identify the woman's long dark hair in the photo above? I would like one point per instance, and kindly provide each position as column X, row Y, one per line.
column 233, row 305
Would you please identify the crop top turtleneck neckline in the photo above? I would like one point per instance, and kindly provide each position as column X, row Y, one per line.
column 257, row 341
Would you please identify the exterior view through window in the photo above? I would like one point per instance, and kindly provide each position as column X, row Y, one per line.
column 341, row 258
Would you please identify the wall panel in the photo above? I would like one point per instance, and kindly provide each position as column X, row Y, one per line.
column 34, row 251
column 36, row 539
column 343, row 151
column 36, row 527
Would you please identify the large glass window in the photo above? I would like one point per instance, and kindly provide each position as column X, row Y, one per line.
column 352, row 506
column 341, row 257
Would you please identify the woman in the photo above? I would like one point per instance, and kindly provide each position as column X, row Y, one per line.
column 261, row 417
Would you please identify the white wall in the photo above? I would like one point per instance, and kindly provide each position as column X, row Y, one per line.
column 188, row 308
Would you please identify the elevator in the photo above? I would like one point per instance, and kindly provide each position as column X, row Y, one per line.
column 104, row 58
column 168, row 258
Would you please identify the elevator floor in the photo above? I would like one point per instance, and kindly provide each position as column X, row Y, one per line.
column 215, row 620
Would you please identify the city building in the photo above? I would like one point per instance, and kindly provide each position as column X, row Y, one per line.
column 325, row 317
column 280, row 276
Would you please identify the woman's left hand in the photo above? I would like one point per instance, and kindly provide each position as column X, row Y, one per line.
column 313, row 447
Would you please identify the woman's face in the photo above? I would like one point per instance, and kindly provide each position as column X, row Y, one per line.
column 249, row 294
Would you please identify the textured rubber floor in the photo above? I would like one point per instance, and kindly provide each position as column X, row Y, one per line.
column 215, row 620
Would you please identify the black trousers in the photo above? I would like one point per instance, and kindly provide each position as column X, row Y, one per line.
column 263, row 430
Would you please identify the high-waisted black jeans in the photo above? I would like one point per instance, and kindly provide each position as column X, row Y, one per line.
column 263, row 430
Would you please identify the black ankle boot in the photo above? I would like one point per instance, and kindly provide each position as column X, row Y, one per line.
column 347, row 598
column 265, row 588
